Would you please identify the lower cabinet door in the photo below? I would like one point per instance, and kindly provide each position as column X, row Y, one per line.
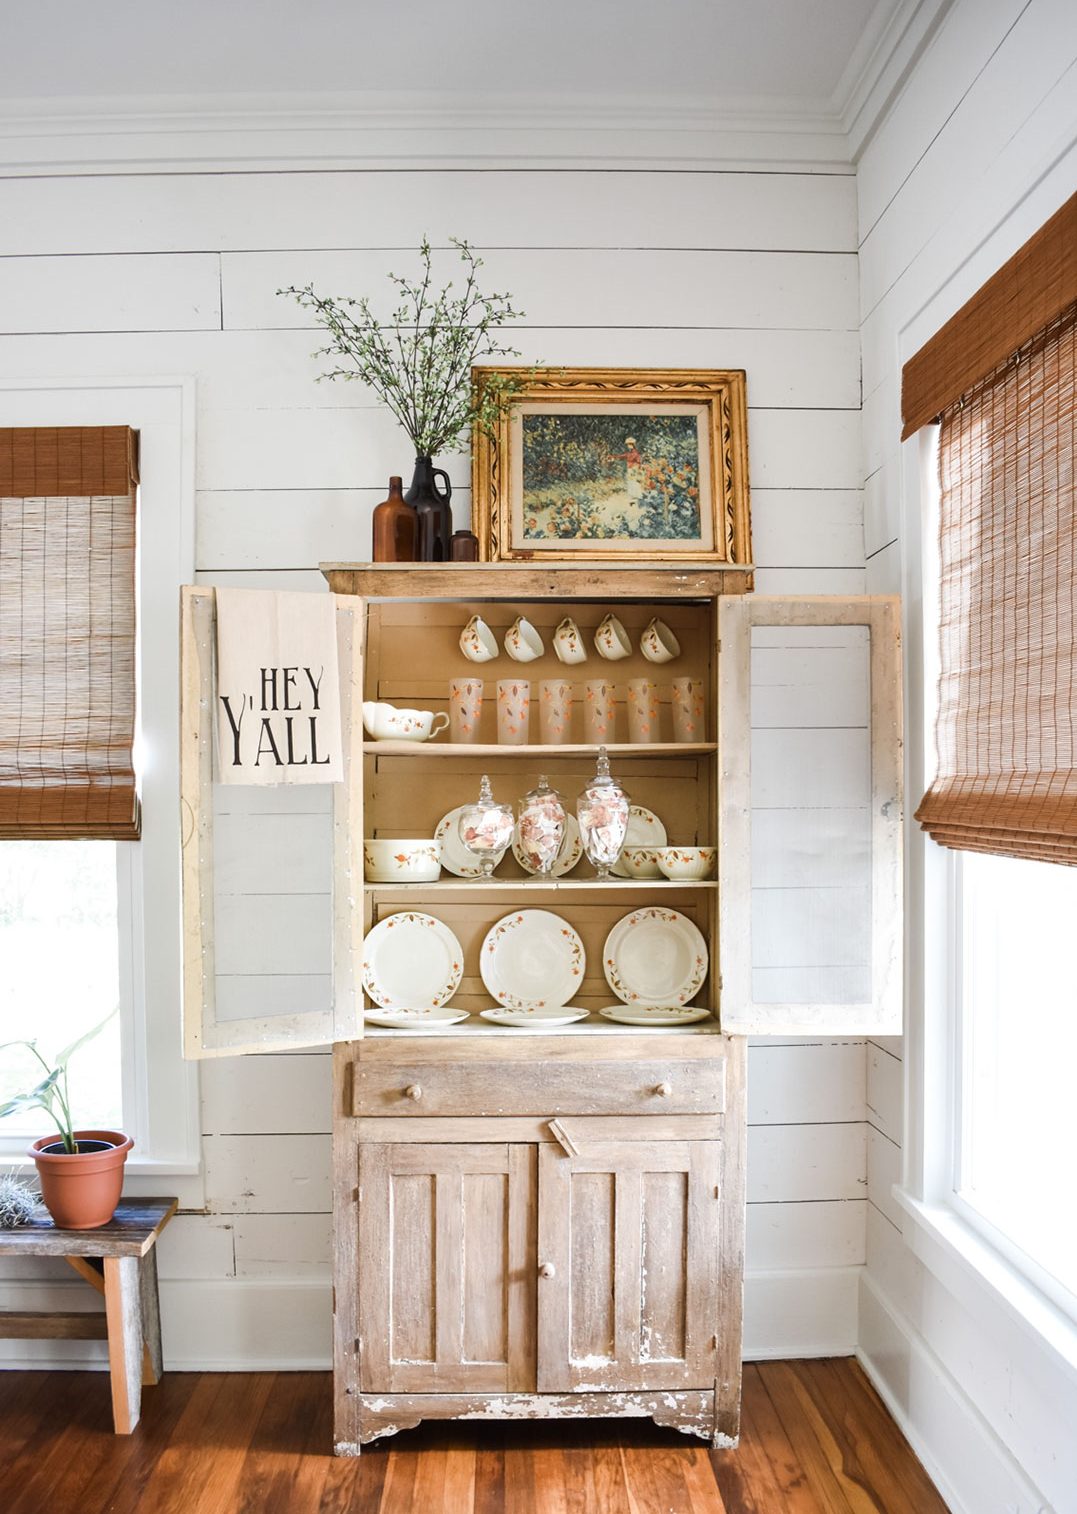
column 628, row 1266
column 446, row 1268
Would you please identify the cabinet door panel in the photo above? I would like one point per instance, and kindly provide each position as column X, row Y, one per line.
column 628, row 1257
column 810, row 831
column 446, row 1268
column 272, row 916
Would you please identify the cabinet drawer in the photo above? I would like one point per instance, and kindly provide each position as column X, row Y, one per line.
column 539, row 1088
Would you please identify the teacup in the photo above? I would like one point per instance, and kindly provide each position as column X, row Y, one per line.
column 522, row 642
column 611, row 639
column 658, row 643
column 639, row 862
column 399, row 861
column 568, row 643
column 384, row 722
column 477, row 642
column 686, row 864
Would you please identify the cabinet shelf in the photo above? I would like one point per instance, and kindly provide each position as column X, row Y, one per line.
column 576, row 749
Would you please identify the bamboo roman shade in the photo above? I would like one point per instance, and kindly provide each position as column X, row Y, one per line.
column 1021, row 299
column 1005, row 732
column 67, row 632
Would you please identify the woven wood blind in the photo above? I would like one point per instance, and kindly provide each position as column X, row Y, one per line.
column 67, row 632
column 1021, row 299
column 1006, row 732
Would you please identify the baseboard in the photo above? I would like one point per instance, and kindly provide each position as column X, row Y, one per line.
column 283, row 1324
column 965, row 1459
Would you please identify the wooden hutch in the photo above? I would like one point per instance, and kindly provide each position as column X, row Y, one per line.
column 551, row 1223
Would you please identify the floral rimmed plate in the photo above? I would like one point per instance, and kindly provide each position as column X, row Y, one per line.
column 411, row 961
column 655, row 1014
column 533, row 1018
column 532, row 959
column 570, row 853
column 655, row 956
column 455, row 857
column 644, row 829
column 415, row 1019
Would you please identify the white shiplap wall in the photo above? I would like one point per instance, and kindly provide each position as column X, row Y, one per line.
column 975, row 154
column 147, row 274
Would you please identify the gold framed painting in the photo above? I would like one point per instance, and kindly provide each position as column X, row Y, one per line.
column 614, row 465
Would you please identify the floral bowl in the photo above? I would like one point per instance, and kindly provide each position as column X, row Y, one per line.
column 640, row 861
column 398, row 861
column 686, row 864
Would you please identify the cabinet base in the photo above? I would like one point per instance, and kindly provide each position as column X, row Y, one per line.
column 691, row 1412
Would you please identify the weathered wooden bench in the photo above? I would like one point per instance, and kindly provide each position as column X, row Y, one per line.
column 119, row 1260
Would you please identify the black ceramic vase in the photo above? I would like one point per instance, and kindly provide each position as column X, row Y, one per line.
column 432, row 508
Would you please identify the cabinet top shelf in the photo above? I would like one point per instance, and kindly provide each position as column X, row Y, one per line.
column 577, row 749
column 532, row 580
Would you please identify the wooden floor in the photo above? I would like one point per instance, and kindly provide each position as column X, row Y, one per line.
column 817, row 1440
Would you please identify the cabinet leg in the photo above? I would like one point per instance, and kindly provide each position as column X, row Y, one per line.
column 152, row 1363
column 124, row 1314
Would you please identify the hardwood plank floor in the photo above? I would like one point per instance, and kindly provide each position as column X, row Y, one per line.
column 816, row 1440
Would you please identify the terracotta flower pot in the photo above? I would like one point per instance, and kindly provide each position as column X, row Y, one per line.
column 81, row 1189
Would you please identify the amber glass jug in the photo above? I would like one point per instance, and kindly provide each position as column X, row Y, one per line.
column 396, row 527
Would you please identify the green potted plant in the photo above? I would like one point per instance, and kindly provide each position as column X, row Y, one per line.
column 80, row 1171
column 419, row 365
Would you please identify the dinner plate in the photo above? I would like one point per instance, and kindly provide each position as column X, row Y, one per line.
column 434, row 1018
column 655, row 1014
column 570, row 853
column 550, row 1016
column 411, row 961
column 532, row 959
column 455, row 857
column 644, row 829
column 655, row 956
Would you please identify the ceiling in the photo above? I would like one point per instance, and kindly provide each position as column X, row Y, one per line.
column 637, row 53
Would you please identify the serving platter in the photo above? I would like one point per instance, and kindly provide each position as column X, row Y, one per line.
column 436, row 1017
column 663, row 1015
column 548, row 1017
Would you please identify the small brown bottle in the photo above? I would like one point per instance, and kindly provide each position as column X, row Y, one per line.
column 395, row 527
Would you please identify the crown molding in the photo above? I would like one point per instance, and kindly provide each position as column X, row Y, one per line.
column 392, row 130
column 265, row 132
column 888, row 51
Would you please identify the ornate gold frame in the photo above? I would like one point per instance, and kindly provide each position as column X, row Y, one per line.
column 722, row 391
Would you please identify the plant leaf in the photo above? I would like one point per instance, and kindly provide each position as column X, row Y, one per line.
column 62, row 1058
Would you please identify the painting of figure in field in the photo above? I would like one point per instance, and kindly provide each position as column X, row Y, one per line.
column 629, row 476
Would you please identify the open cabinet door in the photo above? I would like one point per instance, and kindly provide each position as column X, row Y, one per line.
column 810, row 805
column 272, row 876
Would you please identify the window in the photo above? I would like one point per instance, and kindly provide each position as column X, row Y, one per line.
column 1017, row 1016
column 118, row 902
column 60, row 947
column 994, row 1030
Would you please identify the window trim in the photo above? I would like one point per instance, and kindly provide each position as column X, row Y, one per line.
column 161, row 1104
column 958, row 1246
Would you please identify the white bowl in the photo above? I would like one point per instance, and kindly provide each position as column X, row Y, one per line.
column 686, row 864
column 393, row 860
column 640, row 862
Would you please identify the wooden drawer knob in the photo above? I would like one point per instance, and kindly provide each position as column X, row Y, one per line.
column 547, row 1269
column 663, row 1090
column 414, row 1091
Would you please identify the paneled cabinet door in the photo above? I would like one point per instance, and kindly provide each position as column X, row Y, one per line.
column 628, row 1266
column 810, row 816
column 446, row 1268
